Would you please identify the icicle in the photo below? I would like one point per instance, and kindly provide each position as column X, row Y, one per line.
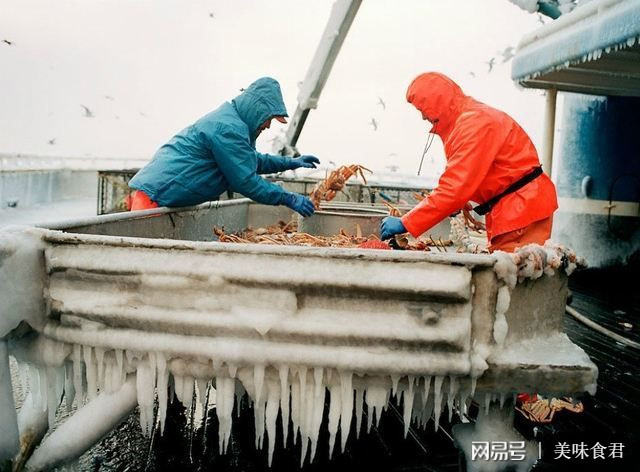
column 69, row 388
column 259, row 405
column 453, row 391
column 416, row 412
column 318, row 409
column 233, row 370
column 295, row 409
column 487, row 402
column 394, row 384
column 201, row 388
column 474, row 382
column 271, row 415
column 225, row 394
column 220, row 413
column 178, row 385
column 100, row 363
column 346, row 414
column 306, row 418
column 239, row 392
column 187, row 392
column 502, row 397
column 92, row 380
column 283, row 372
column 437, row 403
column 162, row 376
column 334, row 414
column 359, row 408
column 120, row 365
column 55, row 385
column 77, row 372
column 427, row 387
column 408, row 404
column 107, row 376
column 258, row 380
column 145, row 397
column 302, row 378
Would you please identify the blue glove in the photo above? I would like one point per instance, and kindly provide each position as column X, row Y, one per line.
column 391, row 226
column 308, row 162
column 298, row 203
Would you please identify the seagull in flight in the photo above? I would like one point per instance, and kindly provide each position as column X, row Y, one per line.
column 472, row 74
column 87, row 113
column 52, row 141
column 211, row 15
column 382, row 104
column 6, row 41
column 374, row 123
column 491, row 62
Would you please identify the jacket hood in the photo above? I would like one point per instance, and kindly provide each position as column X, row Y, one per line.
column 259, row 102
column 438, row 98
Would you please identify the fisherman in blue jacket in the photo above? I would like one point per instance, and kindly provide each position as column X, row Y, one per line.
column 218, row 153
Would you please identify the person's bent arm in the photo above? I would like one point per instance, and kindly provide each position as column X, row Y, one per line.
column 269, row 164
column 236, row 159
column 473, row 149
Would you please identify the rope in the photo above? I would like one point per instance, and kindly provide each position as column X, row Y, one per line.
column 601, row 329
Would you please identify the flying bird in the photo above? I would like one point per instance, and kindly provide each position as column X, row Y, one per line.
column 108, row 97
column 374, row 123
column 382, row 104
column 142, row 114
column 87, row 113
column 507, row 53
column 491, row 62
column 472, row 74
column 52, row 141
column 6, row 41
column 211, row 15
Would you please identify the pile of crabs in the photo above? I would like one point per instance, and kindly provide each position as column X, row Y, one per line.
column 287, row 234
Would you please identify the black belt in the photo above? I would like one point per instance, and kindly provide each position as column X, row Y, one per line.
column 517, row 185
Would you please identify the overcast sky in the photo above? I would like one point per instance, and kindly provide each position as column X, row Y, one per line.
column 146, row 69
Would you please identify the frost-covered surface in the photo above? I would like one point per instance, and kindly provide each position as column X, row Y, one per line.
column 21, row 278
column 556, row 350
column 585, row 34
column 118, row 318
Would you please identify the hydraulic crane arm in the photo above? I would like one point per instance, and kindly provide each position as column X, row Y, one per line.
column 342, row 14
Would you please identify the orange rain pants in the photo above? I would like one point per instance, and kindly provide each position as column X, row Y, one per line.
column 537, row 232
column 141, row 201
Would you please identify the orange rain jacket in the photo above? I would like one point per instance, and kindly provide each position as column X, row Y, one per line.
column 486, row 152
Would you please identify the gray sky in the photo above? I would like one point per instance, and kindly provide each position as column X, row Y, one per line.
column 147, row 69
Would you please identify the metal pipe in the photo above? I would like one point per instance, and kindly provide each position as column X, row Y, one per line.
column 9, row 436
column 33, row 424
column 86, row 427
column 601, row 329
column 549, row 131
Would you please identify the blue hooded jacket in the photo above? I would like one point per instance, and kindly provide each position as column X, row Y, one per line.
column 217, row 153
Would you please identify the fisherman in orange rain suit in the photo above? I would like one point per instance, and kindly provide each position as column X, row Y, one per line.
column 487, row 152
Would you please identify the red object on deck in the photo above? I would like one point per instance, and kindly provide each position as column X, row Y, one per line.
column 373, row 244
